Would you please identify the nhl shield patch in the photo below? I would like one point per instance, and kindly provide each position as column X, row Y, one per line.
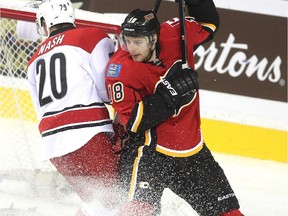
column 114, row 70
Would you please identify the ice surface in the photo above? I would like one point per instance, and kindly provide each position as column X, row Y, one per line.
column 261, row 187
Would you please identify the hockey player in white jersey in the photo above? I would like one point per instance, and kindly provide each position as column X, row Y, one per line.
column 66, row 77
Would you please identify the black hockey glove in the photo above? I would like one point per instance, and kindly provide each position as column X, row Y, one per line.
column 173, row 90
column 192, row 2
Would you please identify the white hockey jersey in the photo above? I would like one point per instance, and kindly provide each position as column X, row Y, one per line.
column 67, row 85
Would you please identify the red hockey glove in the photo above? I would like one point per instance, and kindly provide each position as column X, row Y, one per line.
column 120, row 138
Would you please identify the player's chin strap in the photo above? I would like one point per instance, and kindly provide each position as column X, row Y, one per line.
column 156, row 61
column 150, row 57
column 151, row 42
column 155, row 10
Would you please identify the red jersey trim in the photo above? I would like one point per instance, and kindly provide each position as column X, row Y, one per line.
column 76, row 117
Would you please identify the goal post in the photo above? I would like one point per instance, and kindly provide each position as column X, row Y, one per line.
column 30, row 17
column 19, row 135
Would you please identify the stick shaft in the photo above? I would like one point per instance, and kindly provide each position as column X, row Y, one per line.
column 183, row 33
column 156, row 6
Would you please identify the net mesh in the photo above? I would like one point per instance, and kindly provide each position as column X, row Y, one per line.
column 19, row 136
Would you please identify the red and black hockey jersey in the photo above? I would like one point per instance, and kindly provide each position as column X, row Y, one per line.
column 130, row 82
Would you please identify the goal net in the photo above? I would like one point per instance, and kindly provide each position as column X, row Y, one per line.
column 19, row 135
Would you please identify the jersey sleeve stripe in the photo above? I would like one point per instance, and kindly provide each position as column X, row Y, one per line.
column 76, row 107
column 148, row 138
column 138, row 117
column 73, row 117
column 76, row 126
column 209, row 25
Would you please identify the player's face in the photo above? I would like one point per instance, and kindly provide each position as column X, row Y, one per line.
column 139, row 48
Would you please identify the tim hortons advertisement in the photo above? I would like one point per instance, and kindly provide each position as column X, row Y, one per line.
column 248, row 56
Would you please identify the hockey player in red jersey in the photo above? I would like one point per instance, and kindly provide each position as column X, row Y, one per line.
column 67, row 81
column 157, row 102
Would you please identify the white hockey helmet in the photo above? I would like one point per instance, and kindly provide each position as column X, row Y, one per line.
column 54, row 12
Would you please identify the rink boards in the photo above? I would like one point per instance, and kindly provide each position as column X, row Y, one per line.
column 230, row 124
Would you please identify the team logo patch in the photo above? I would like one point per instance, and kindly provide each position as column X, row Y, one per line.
column 114, row 70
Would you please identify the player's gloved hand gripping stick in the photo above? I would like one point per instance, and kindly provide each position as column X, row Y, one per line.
column 187, row 80
column 172, row 90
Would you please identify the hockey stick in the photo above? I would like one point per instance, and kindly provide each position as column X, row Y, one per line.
column 181, row 5
column 156, row 6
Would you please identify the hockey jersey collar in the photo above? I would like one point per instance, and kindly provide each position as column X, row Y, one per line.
column 61, row 30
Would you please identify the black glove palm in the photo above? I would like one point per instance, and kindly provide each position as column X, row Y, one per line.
column 173, row 90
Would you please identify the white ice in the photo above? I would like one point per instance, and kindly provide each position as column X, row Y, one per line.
column 261, row 187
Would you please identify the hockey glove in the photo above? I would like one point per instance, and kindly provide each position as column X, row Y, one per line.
column 173, row 90
column 120, row 138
